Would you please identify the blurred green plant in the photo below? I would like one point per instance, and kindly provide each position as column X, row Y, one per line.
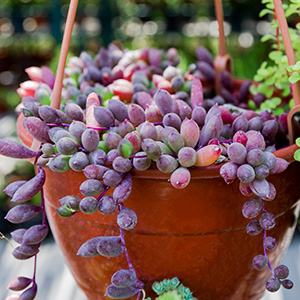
column 10, row 99
column 272, row 75
column 295, row 69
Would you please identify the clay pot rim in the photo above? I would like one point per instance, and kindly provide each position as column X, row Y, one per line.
column 212, row 171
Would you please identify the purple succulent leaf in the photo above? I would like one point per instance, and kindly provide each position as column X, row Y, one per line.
column 19, row 283
column 89, row 248
column 37, row 129
column 35, row 234
column 30, row 293
column 22, row 213
column 13, row 187
column 13, row 149
column 30, row 188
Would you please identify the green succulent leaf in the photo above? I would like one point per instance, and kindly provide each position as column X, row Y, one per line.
column 274, row 26
column 252, row 105
column 286, row 91
column 125, row 148
column 158, row 288
column 267, row 37
column 292, row 9
column 172, row 289
column 103, row 147
column 278, row 111
column 284, row 60
column 275, row 55
column 65, row 211
column 170, row 295
column 295, row 77
column 297, row 155
column 265, row 89
column 276, row 101
column 253, row 89
column 265, row 12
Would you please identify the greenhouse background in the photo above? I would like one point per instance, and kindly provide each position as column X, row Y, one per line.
column 31, row 31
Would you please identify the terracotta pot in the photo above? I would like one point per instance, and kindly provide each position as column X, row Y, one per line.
column 197, row 234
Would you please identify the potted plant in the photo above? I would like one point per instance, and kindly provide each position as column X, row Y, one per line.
column 144, row 170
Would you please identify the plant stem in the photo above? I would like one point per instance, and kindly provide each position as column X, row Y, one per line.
column 138, row 295
column 98, row 128
column 103, row 193
column 3, row 237
column 265, row 250
column 58, row 125
column 220, row 19
column 226, row 141
column 266, row 255
column 124, row 244
column 43, row 207
column 34, row 268
column 68, row 125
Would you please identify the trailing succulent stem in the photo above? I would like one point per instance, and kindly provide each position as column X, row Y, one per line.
column 29, row 239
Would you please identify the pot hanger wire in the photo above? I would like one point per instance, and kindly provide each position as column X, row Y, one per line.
column 223, row 61
column 292, row 61
column 58, row 84
column 56, row 95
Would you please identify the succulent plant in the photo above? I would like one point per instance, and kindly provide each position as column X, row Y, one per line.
column 135, row 109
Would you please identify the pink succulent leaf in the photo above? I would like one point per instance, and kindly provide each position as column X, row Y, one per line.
column 48, row 76
column 196, row 93
column 35, row 74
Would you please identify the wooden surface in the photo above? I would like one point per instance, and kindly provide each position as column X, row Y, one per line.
column 56, row 282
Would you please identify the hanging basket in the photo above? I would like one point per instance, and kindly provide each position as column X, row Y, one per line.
column 196, row 234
